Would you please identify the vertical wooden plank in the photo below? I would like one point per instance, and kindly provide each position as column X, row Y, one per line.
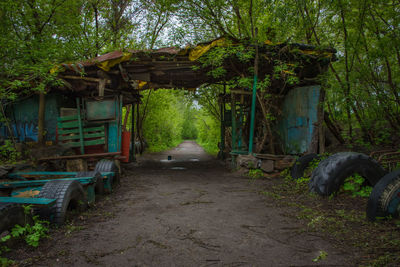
column 137, row 122
column 233, row 111
column 222, row 120
column 102, row 85
column 78, row 106
column 125, row 121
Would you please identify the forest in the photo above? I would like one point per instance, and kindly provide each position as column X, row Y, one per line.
column 361, row 89
column 349, row 49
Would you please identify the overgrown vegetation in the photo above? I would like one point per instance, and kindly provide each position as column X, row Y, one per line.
column 355, row 185
column 31, row 232
column 342, row 218
column 8, row 153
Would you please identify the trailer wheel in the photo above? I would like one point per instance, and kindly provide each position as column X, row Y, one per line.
column 109, row 166
column 384, row 200
column 331, row 172
column 69, row 197
column 301, row 164
column 99, row 184
column 12, row 214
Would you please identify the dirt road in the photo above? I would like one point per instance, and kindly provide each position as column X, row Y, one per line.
column 190, row 211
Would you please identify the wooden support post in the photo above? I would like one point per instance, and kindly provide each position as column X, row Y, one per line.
column 102, row 85
column 125, row 122
column 137, row 123
column 133, row 133
column 253, row 101
column 119, row 112
column 41, row 117
column 233, row 113
column 81, row 139
column 222, row 110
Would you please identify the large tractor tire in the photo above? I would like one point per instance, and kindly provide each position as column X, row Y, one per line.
column 301, row 164
column 384, row 200
column 99, row 184
column 12, row 214
column 109, row 166
column 69, row 197
column 330, row 174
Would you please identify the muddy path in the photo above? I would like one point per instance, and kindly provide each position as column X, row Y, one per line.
column 189, row 211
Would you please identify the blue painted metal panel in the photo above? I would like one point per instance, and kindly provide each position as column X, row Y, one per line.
column 113, row 137
column 23, row 116
column 299, row 113
column 114, row 130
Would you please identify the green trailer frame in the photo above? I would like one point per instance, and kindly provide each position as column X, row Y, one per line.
column 30, row 183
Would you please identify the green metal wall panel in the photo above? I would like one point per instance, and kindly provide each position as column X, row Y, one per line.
column 101, row 109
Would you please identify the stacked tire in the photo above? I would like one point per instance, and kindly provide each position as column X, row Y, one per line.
column 331, row 173
column 384, row 201
column 109, row 166
column 69, row 196
column 301, row 164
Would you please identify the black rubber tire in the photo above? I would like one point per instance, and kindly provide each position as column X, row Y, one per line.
column 301, row 164
column 69, row 196
column 384, row 200
column 12, row 214
column 99, row 184
column 330, row 174
column 109, row 166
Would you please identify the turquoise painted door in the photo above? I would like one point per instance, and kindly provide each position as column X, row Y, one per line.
column 299, row 113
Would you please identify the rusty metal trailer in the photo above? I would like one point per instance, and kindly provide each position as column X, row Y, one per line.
column 54, row 195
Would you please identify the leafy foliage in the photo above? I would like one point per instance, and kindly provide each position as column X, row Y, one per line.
column 362, row 88
column 208, row 131
column 163, row 119
column 8, row 153
column 255, row 173
column 31, row 233
column 355, row 185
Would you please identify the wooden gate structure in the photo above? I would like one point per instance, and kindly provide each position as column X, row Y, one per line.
column 246, row 127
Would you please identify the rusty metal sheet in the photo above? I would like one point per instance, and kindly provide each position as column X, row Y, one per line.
column 26, row 192
column 299, row 113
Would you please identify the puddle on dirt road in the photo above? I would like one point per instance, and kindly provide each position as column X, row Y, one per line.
column 174, row 160
column 178, row 168
column 166, row 160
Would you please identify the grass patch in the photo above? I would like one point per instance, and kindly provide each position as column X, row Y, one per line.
column 159, row 147
column 210, row 147
column 341, row 217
